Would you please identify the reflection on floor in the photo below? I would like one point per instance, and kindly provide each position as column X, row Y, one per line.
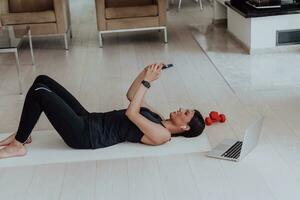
column 265, row 71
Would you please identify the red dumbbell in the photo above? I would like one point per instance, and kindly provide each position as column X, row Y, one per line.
column 214, row 117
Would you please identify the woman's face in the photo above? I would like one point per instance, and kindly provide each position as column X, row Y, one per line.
column 182, row 117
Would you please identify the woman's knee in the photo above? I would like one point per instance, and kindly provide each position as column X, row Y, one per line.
column 41, row 79
column 40, row 89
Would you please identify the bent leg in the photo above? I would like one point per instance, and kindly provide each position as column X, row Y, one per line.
column 71, row 127
column 62, row 93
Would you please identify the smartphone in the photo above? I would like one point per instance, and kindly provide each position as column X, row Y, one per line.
column 167, row 66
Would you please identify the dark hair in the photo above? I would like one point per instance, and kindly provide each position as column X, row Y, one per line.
column 196, row 124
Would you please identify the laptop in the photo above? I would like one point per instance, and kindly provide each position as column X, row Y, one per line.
column 235, row 150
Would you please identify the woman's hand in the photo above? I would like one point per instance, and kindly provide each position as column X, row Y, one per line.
column 153, row 72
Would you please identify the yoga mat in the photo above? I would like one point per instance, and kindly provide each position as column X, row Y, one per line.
column 48, row 147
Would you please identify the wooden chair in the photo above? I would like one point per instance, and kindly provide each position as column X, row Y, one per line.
column 45, row 17
column 130, row 15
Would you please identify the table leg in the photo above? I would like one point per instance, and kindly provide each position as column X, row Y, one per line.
column 31, row 52
column 100, row 40
column 18, row 70
column 165, row 35
column 31, row 48
column 66, row 41
column 200, row 3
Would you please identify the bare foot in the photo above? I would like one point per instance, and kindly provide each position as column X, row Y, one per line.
column 14, row 149
column 29, row 140
column 11, row 138
column 7, row 140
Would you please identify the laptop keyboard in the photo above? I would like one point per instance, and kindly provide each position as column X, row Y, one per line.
column 234, row 151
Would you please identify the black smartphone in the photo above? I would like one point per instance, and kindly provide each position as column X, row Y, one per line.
column 167, row 66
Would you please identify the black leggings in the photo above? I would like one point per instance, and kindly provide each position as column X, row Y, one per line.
column 66, row 114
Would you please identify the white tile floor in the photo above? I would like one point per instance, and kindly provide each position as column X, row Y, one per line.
column 266, row 84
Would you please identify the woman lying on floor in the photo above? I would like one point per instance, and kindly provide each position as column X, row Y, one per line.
column 83, row 130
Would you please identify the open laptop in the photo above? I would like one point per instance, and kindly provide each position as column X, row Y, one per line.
column 235, row 150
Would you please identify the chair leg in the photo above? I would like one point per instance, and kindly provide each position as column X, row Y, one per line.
column 201, row 6
column 100, row 40
column 179, row 5
column 19, row 71
column 165, row 35
column 66, row 41
column 31, row 48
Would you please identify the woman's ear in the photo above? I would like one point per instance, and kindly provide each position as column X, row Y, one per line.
column 185, row 128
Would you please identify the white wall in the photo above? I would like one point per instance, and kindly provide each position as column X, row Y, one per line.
column 263, row 29
column 239, row 26
column 220, row 10
column 259, row 33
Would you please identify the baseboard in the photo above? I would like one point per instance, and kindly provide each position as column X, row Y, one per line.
column 219, row 21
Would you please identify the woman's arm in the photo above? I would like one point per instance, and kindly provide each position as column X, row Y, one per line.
column 156, row 133
column 135, row 86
